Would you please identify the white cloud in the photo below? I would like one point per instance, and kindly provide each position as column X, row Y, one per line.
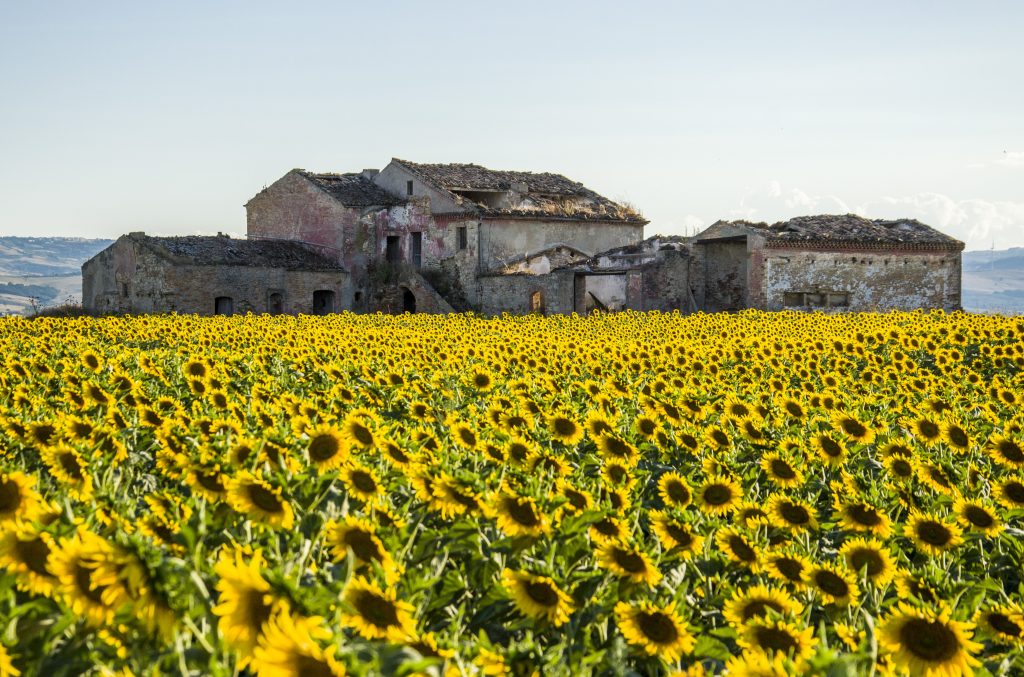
column 1011, row 159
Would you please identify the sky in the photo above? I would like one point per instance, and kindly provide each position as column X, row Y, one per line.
column 168, row 117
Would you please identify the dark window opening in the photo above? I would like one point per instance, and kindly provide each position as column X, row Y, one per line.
column 124, row 289
column 536, row 302
column 223, row 305
column 408, row 300
column 393, row 253
column 275, row 303
column 463, row 237
column 408, row 187
column 359, row 296
column 486, row 198
column 793, row 299
column 323, row 302
column 417, row 249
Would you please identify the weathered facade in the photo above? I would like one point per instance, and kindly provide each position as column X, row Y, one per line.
column 211, row 275
column 819, row 262
column 452, row 237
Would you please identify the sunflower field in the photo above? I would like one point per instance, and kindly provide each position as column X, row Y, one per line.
column 748, row 494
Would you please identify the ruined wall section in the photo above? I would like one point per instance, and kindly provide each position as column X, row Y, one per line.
column 860, row 280
column 515, row 293
column 503, row 240
column 666, row 283
column 395, row 179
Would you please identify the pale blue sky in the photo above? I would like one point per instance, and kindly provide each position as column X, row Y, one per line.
column 168, row 117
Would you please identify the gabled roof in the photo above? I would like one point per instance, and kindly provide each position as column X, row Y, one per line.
column 532, row 194
column 352, row 190
column 847, row 229
column 220, row 250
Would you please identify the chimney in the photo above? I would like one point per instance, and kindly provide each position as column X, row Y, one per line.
column 369, row 173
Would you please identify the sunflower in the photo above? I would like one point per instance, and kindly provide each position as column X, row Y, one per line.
column 7, row 668
column 791, row 513
column 675, row 535
column 758, row 601
column 781, row 470
column 1006, row 451
column 871, row 557
column 657, row 631
column 900, row 467
column 863, row 517
column 246, row 602
column 777, row 637
column 358, row 427
column 257, row 499
column 926, row 429
column 717, row 438
column 718, row 495
column 831, row 451
column 936, row 477
column 739, row 548
column 751, row 515
column 66, row 464
column 628, row 561
column 616, row 474
column 361, row 482
column 463, row 434
column 290, row 646
column 375, row 613
column 564, row 429
column 910, row 586
column 1003, row 622
column 756, row 664
column 597, row 423
column 613, row 446
column 928, row 642
column 854, row 430
column 18, row 498
column 327, row 447
column 832, row 584
column 977, row 516
column 954, row 435
column 207, row 480
column 1010, row 492
column 25, row 553
column 608, row 529
column 537, row 597
column 519, row 515
column 358, row 535
column 577, row 501
column 931, row 535
column 674, row 490
column 75, row 562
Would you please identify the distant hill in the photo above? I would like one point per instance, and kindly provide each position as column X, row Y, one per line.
column 994, row 281
column 43, row 271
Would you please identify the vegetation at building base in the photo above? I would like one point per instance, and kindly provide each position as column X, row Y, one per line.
column 750, row 493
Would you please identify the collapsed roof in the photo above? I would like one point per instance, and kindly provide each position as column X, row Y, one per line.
column 221, row 250
column 352, row 190
column 848, row 229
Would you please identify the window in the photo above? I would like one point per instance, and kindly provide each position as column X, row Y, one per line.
column 323, row 302
column 223, row 305
column 814, row 300
column 275, row 303
column 408, row 187
column 793, row 299
column 124, row 289
column 463, row 237
column 536, row 302
column 417, row 249
column 838, row 300
column 408, row 300
column 393, row 253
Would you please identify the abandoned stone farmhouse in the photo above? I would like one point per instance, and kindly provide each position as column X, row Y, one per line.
column 455, row 237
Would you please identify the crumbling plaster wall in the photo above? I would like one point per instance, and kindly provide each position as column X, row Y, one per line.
column 512, row 293
column 505, row 239
column 872, row 279
column 395, row 179
column 156, row 283
column 666, row 283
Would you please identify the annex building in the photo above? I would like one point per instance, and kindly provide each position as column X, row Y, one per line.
column 455, row 237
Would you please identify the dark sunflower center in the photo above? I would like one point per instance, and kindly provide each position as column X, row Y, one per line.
column 264, row 498
column 760, row 607
column 830, row 446
column 741, row 549
column 928, row 429
column 481, row 380
column 720, row 438
column 361, row 433
column 210, row 481
column 938, row 476
column 378, row 610
column 831, row 583
column 864, row 514
column 782, row 470
column 934, row 533
column 853, row 428
column 34, row 555
column 564, row 427
column 43, row 433
column 678, row 492
column 646, row 426
column 1003, row 624
column 794, row 513
column 606, row 527
column 902, row 468
column 1011, row 451
column 929, row 640
column 522, row 512
column 10, row 496
column 658, row 627
column 1014, row 491
column 69, row 462
column 465, row 500
column 257, row 611
column 629, row 561
column 83, row 580
column 867, row 557
column 363, row 544
column 617, row 474
column 323, row 447
column 396, row 453
column 542, row 593
column 978, row 516
column 467, row 436
column 717, row 494
column 775, row 639
column 307, row 666
column 680, row 534
column 794, row 409
column 617, row 447
column 958, row 437
column 363, row 481
column 576, row 499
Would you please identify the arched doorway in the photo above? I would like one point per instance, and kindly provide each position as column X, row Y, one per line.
column 408, row 300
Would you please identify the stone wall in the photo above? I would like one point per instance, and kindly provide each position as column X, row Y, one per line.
column 503, row 240
column 859, row 280
column 129, row 277
column 515, row 293
column 666, row 283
